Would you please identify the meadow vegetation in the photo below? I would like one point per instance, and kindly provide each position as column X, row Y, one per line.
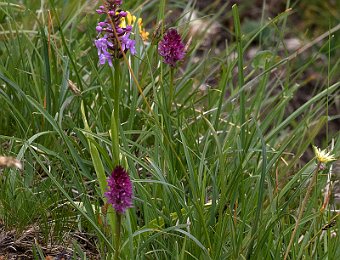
column 218, row 147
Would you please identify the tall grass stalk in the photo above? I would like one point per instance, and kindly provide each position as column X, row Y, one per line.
column 302, row 208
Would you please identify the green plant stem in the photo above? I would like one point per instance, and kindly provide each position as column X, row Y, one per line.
column 171, row 89
column 117, row 235
column 114, row 139
column 98, row 165
column 302, row 208
column 238, row 36
column 115, row 122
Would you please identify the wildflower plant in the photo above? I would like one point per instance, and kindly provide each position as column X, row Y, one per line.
column 323, row 156
column 119, row 192
column 172, row 49
column 119, row 195
column 113, row 42
column 113, row 35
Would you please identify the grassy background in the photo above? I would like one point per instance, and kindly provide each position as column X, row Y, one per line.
column 218, row 176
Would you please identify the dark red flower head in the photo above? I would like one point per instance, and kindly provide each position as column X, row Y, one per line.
column 171, row 47
column 119, row 192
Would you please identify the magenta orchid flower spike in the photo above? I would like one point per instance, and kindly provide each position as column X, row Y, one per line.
column 171, row 47
column 107, row 43
column 119, row 193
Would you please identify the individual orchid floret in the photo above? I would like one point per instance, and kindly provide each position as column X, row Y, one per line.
column 119, row 193
column 113, row 37
column 171, row 47
column 103, row 46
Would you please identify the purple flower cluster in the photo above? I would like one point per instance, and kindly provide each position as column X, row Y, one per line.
column 107, row 43
column 119, row 192
column 171, row 47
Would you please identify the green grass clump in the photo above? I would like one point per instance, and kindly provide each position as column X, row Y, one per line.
column 218, row 174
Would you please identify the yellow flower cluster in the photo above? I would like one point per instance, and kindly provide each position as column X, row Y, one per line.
column 322, row 156
column 130, row 20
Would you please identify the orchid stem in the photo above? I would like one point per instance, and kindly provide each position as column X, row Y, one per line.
column 171, row 88
column 117, row 235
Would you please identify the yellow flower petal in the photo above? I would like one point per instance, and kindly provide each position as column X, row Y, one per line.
column 323, row 156
column 144, row 34
column 130, row 18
